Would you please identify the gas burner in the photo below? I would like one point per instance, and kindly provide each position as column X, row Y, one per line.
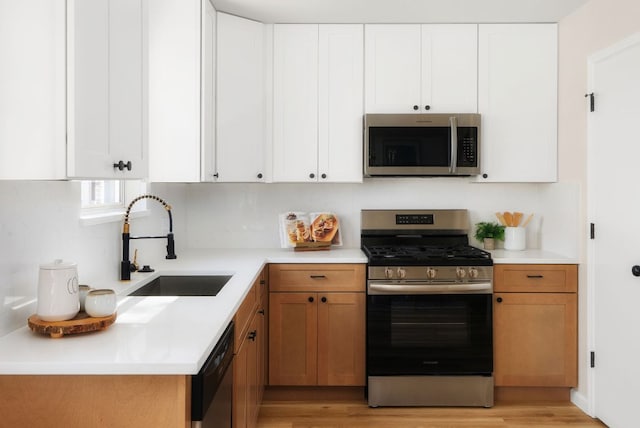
column 462, row 255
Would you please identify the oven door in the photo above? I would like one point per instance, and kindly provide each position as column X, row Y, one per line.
column 429, row 334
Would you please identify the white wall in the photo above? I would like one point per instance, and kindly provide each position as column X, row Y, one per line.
column 39, row 222
column 596, row 25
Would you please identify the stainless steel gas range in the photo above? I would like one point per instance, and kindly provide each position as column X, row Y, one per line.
column 429, row 310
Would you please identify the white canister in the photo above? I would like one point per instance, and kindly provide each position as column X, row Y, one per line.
column 100, row 303
column 58, row 298
column 515, row 238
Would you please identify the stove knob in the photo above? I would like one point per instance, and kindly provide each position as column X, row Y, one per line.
column 402, row 273
column 388, row 273
column 431, row 273
column 473, row 272
column 461, row 273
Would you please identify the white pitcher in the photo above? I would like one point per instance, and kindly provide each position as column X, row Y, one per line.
column 58, row 298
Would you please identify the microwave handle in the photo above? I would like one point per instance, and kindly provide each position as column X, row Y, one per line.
column 454, row 144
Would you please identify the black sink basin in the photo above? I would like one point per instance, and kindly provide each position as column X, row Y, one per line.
column 183, row 285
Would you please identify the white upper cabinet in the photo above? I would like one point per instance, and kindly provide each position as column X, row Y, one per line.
column 517, row 98
column 240, row 120
column 317, row 103
column 181, row 89
column 429, row 68
column 106, row 89
column 32, row 84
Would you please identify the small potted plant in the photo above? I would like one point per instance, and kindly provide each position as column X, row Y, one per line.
column 488, row 232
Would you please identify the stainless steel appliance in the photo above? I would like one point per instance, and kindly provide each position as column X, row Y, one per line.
column 429, row 310
column 421, row 144
column 212, row 387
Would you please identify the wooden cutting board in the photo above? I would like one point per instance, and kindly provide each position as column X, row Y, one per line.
column 81, row 323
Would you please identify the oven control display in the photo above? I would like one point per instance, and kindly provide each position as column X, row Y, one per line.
column 414, row 218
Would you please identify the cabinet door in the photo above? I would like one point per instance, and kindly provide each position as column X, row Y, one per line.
column 32, row 84
column 340, row 105
column 392, row 68
column 241, row 105
column 293, row 319
column 535, row 339
column 295, row 102
column 179, row 81
column 241, row 384
column 341, row 339
column 517, row 98
column 106, row 100
column 450, row 68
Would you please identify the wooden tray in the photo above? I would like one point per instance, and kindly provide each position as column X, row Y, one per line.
column 82, row 323
column 312, row 246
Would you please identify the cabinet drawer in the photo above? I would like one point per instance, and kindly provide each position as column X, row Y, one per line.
column 317, row 277
column 244, row 315
column 535, row 278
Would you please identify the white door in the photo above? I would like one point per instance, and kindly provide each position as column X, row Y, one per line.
column 614, row 208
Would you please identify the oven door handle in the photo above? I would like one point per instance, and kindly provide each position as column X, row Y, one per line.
column 454, row 144
column 385, row 288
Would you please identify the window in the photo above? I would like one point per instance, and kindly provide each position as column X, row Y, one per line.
column 104, row 201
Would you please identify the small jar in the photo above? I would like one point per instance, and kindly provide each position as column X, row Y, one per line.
column 100, row 303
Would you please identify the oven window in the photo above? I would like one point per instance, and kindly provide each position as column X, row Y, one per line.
column 429, row 334
column 406, row 146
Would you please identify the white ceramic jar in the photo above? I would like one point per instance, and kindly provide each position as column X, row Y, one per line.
column 58, row 291
column 100, row 303
column 515, row 238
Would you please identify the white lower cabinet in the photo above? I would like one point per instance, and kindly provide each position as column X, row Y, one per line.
column 317, row 103
column 517, row 98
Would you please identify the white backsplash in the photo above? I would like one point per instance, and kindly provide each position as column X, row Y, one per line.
column 39, row 222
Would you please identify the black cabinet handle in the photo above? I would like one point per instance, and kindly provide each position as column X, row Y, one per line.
column 485, row 175
column 427, row 107
column 261, row 311
column 635, row 270
column 535, row 276
column 317, row 276
column 259, row 175
column 216, row 175
column 252, row 335
column 324, row 176
column 122, row 166
column 416, row 107
column 324, row 300
column 312, row 175
column 310, row 299
column 499, row 300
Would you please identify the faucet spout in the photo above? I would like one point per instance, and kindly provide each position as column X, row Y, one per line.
column 125, row 264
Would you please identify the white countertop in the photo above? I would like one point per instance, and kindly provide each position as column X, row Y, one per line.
column 157, row 335
column 175, row 335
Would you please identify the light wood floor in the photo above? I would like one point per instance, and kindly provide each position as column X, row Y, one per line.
column 356, row 414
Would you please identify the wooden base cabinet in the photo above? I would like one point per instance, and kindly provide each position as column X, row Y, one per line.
column 535, row 325
column 316, row 334
column 249, row 359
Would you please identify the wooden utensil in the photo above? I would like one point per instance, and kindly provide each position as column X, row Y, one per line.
column 501, row 219
column 526, row 222
column 508, row 218
column 517, row 218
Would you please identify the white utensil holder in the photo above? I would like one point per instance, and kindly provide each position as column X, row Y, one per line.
column 515, row 238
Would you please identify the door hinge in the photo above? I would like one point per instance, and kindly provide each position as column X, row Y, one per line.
column 593, row 359
column 592, row 101
column 592, row 231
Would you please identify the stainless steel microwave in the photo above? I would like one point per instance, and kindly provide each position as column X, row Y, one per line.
column 421, row 144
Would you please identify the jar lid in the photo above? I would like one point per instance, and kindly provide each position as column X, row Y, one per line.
column 58, row 264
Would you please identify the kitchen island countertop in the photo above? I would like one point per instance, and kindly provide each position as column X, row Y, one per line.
column 157, row 335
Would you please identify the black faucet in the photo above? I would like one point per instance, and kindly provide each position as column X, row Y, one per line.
column 125, row 265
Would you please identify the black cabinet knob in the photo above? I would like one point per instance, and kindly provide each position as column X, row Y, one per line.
column 310, row 299
column 252, row 335
column 485, row 175
column 324, row 176
column 499, row 300
column 216, row 175
column 416, row 107
column 259, row 175
column 324, row 300
column 427, row 107
column 122, row 166
column 635, row 270
column 312, row 175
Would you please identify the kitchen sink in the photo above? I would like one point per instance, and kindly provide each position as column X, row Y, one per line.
column 183, row 285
